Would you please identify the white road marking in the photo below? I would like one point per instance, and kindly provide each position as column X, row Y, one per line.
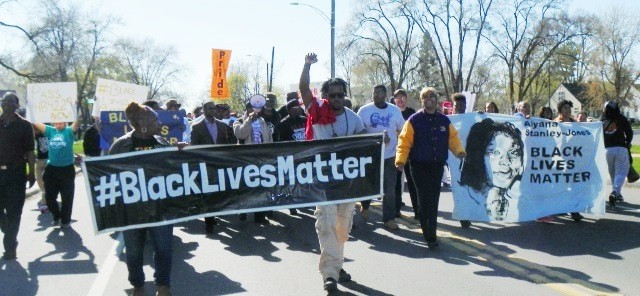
column 106, row 268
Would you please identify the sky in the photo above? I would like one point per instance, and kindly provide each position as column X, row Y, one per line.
column 250, row 28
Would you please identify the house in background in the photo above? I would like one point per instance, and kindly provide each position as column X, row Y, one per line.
column 632, row 107
column 572, row 92
column 578, row 94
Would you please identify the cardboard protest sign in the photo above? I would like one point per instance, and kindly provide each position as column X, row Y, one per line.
column 52, row 102
column 114, row 95
column 114, row 124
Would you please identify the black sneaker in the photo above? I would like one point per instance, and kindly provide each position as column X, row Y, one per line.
column 576, row 217
column 262, row 221
column 208, row 227
column 330, row 284
column 432, row 244
column 612, row 199
column 344, row 276
column 465, row 223
column 619, row 198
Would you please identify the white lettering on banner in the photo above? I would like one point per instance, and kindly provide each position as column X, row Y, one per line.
column 134, row 188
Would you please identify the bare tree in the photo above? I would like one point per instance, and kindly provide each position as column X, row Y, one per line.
column 527, row 34
column 150, row 64
column 62, row 45
column 348, row 60
column 387, row 38
column 455, row 29
column 619, row 36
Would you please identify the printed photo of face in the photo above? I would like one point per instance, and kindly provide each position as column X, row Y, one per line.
column 503, row 160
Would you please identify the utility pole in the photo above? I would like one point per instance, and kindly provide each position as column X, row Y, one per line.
column 273, row 50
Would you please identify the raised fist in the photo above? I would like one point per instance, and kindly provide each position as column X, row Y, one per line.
column 311, row 58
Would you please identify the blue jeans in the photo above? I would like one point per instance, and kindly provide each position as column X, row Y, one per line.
column 12, row 194
column 162, row 241
column 389, row 199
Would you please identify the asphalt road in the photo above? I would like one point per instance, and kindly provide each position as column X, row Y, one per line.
column 596, row 257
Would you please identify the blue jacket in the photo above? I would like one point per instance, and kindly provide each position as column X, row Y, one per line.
column 426, row 138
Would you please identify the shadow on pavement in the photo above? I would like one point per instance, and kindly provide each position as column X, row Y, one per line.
column 486, row 247
column 69, row 256
column 14, row 278
column 190, row 282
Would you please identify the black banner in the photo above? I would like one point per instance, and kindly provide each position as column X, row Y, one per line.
column 164, row 186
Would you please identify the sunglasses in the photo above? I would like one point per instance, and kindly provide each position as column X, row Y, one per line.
column 336, row 95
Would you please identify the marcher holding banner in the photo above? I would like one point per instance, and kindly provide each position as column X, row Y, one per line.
column 292, row 126
column 424, row 141
column 253, row 129
column 617, row 140
column 328, row 118
column 564, row 115
column 59, row 173
column 210, row 131
column 146, row 128
column 491, row 107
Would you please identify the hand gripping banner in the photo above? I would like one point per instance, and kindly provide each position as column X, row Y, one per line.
column 165, row 186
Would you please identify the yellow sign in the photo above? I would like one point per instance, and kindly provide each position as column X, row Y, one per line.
column 220, row 62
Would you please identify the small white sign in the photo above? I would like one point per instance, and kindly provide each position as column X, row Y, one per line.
column 52, row 102
column 114, row 95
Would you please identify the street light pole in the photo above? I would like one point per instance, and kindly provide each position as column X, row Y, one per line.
column 273, row 50
column 333, row 38
column 332, row 22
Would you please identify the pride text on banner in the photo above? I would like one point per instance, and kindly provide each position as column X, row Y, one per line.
column 220, row 63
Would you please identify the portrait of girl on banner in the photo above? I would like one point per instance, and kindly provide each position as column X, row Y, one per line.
column 492, row 171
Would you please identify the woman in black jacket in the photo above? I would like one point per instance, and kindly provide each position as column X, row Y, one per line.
column 617, row 140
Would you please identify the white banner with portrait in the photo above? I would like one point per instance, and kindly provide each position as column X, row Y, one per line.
column 52, row 102
column 114, row 95
column 520, row 169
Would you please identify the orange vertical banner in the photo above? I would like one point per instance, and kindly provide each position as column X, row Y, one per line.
column 220, row 61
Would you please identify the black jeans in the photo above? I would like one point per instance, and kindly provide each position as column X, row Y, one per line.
column 12, row 194
column 427, row 177
column 412, row 190
column 59, row 180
